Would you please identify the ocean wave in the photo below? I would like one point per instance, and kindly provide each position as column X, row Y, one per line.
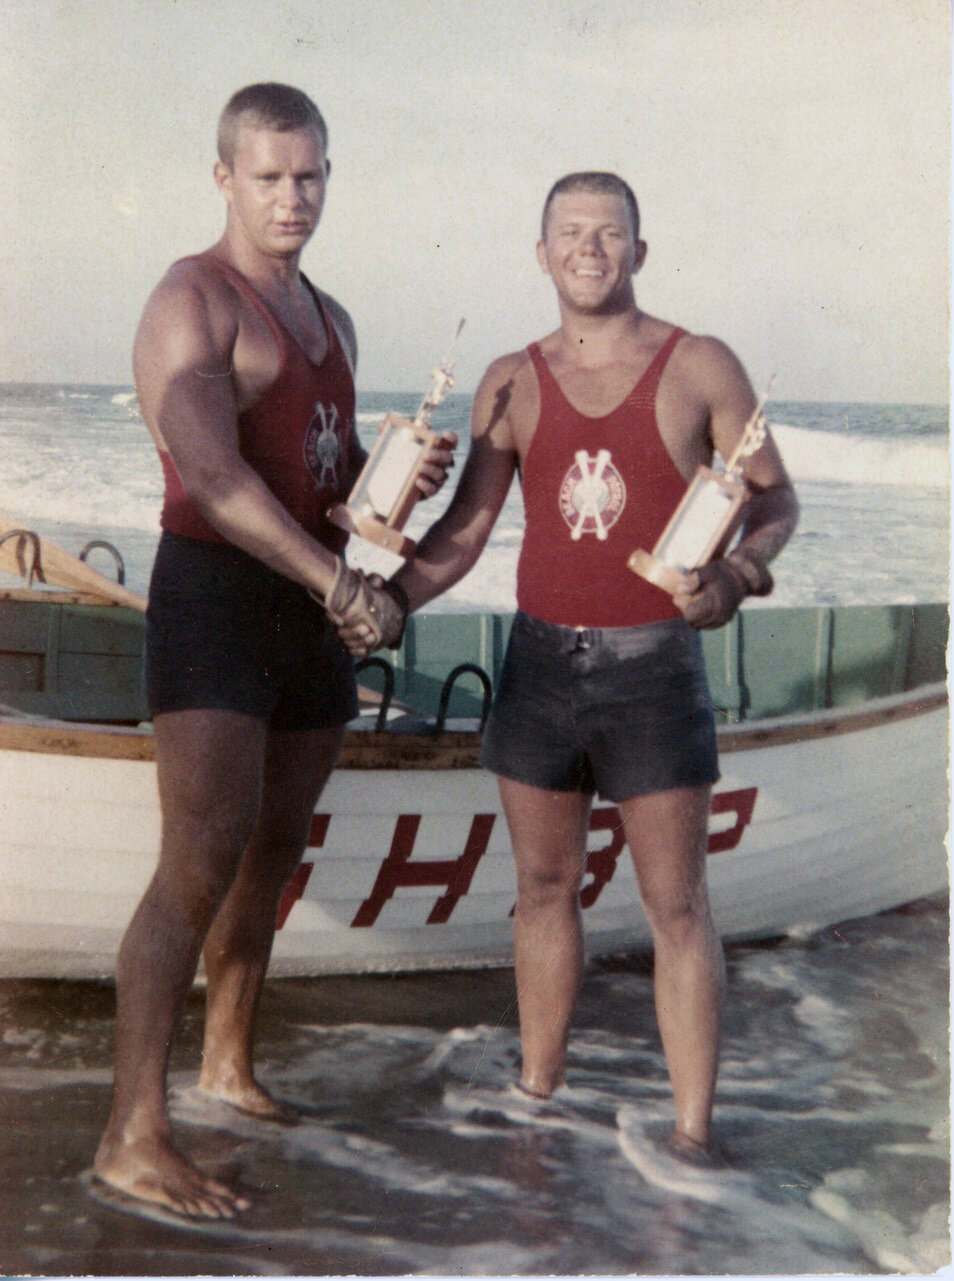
column 867, row 460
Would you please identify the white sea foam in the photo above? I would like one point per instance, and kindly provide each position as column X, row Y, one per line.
column 864, row 460
column 846, row 1197
column 76, row 469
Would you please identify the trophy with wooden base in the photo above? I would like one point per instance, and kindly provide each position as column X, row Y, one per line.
column 709, row 514
column 385, row 493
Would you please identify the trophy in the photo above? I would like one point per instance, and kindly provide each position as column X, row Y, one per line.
column 384, row 494
column 703, row 524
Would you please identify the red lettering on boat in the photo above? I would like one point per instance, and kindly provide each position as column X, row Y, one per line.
column 455, row 874
column 299, row 879
column 742, row 804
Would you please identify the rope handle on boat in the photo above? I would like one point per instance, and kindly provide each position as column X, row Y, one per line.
column 36, row 568
column 449, row 685
column 374, row 661
column 100, row 542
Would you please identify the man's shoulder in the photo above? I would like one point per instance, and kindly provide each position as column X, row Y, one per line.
column 509, row 370
column 703, row 352
column 706, row 371
column 197, row 275
column 193, row 301
column 507, row 379
column 507, row 394
column 508, row 366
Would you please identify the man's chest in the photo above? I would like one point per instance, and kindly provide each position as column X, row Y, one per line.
column 665, row 418
column 263, row 349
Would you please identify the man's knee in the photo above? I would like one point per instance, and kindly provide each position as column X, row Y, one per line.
column 544, row 886
column 678, row 912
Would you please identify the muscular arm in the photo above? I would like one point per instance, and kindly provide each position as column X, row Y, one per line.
column 770, row 516
column 183, row 360
column 452, row 545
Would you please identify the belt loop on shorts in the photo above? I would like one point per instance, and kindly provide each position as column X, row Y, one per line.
column 585, row 638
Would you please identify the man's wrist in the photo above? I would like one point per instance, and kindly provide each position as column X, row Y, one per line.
column 399, row 596
column 339, row 591
column 752, row 570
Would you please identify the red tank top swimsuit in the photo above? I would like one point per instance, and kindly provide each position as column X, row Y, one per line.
column 297, row 436
column 595, row 489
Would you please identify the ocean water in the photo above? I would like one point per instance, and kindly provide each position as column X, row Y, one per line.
column 413, row 1155
column 873, row 482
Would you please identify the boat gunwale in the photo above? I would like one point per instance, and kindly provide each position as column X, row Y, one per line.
column 367, row 748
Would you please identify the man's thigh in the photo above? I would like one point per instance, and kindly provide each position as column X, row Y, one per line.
column 667, row 835
column 547, row 830
column 297, row 766
column 210, row 767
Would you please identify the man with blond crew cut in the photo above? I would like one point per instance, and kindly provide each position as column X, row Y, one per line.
column 603, row 687
column 245, row 378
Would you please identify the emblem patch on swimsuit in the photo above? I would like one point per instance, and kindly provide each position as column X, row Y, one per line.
column 322, row 446
column 593, row 495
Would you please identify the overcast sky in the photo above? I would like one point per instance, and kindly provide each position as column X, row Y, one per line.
column 790, row 157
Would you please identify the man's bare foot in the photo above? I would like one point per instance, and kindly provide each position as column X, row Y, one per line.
column 152, row 1170
column 701, row 1156
column 539, row 1095
column 248, row 1097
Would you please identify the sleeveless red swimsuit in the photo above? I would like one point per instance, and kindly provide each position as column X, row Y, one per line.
column 595, row 489
column 298, row 436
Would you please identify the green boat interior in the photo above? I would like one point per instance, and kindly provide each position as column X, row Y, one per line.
column 73, row 661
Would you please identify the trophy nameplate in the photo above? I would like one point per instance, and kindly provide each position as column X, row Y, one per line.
column 386, row 492
column 708, row 515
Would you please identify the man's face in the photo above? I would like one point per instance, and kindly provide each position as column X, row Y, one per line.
column 275, row 188
column 589, row 250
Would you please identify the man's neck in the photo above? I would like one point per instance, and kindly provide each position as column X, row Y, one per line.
column 594, row 339
column 267, row 271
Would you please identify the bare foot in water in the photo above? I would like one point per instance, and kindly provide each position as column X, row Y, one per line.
column 246, row 1096
column 152, row 1170
column 699, row 1155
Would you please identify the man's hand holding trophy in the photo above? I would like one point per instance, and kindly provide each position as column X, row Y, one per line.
column 689, row 557
column 409, row 461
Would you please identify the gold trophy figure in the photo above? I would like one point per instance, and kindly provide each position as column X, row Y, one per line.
column 385, row 493
column 707, row 517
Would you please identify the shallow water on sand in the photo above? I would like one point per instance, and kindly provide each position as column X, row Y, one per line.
column 414, row 1155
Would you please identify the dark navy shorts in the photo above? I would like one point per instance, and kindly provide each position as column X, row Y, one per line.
column 224, row 631
column 622, row 711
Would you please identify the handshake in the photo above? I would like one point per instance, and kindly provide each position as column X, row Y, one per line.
column 367, row 611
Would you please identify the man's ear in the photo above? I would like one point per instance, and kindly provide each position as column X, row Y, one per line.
column 642, row 249
column 542, row 257
column 223, row 178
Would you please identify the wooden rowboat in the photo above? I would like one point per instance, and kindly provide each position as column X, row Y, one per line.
column 832, row 802
column 817, row 818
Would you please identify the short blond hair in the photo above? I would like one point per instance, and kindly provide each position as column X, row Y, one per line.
column 267, row 106
column 597, row 181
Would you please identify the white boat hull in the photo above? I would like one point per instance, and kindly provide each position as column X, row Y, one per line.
column 816, row 819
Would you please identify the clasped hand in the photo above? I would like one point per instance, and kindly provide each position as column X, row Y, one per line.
column 367, row 612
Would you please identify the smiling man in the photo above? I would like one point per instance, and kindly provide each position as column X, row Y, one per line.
column 603, row 687
column 245, row 378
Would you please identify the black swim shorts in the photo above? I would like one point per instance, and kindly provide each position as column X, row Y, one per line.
column 225, row 631
column 622, row 711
